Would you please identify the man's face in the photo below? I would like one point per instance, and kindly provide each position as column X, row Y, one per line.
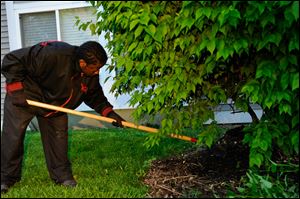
column 90, row 69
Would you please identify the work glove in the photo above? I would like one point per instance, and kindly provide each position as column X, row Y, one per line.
column 16, row 92
column 117, row 117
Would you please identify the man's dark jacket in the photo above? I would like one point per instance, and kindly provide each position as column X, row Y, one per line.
column 50, row 73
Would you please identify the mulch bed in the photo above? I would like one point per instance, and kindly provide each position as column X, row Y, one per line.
column 204, row 173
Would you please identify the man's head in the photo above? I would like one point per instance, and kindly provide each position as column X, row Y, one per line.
column 92, row 57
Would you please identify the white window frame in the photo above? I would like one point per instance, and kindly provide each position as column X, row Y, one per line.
column 15, row 10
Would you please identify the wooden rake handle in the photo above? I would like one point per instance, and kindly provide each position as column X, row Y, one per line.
column 105, row 119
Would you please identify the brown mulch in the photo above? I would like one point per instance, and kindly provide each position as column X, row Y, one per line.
column 204, row 173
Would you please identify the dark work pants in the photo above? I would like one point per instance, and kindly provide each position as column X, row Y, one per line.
column 54, row 134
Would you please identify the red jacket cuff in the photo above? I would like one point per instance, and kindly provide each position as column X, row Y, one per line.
column 106, row 111
column 11, row 87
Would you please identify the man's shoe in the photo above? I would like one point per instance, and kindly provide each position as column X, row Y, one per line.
column 69, row 183
column 4, row 188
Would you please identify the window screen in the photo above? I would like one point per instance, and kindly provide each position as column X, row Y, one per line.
column 70, row 32
column 37, row 27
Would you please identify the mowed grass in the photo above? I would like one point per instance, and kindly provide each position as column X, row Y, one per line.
column 107, row 163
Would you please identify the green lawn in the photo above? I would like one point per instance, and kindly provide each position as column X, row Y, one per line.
column 107, row 163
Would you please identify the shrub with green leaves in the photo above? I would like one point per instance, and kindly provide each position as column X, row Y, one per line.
column 266, row 186
column 180, row 59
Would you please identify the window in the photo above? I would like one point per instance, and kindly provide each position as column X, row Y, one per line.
column 36, row 27
column 42, row 26
column 70, row 32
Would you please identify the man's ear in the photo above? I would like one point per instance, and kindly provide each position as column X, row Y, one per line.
column 82, row 63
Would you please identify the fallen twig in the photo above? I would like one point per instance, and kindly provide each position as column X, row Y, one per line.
column 163, row 187
column 179, row 177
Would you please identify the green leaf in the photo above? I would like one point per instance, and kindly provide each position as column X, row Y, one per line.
column 211, row 45
column 286, row 108
column 206, row 11
column 264, row 69
column 151, row 30
column 209, row 141
column 283, row 95
column 199, row 13
column 293, row 59
column 237, row 45
column 241, row 104
column 244, row 43
column 295, row 10
column 223, row 17
column 295, row 81
column 261, row 8
column 161, row 31
column 250, row 86
column 120, row 60
column 132, row 46
column 295, row 139
column 149, row 106
column 164, row 123
column 148, row 39
column 233, row 21
column 170, row 86
column 153, row 18
column 138, row 31
column 284, row 82
column 283, row 3
column 289, row 15
column 295, row 120
column 187, row 22
column 214, row 30
column 256, row 159
column 158, row 37
column 266, row 183
column 169, row 122
column 149, row 50
column 220, row 47
column 191, row 87
column 133, row 17
column 263, row 145
column 233, row 17
column 228, row 51
column 77, row 20
column 235, row 13
column 202, row 45
column 165, row 29
column 106, row 79
column 182, row 44
column 293, row 44
column 283, row 63
column 269, row 102
column 210, row 67
column 275, row 38
column 93, row 28
column 144, row 19
column 133, row 24
column 270, row 18
column 262, row 43
column 219, row 55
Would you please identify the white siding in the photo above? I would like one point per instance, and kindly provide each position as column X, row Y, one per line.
column 4, row 50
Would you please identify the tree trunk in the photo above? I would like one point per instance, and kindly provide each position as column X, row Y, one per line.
column 253, row 115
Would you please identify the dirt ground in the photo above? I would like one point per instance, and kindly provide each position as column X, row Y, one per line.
column 204, row 173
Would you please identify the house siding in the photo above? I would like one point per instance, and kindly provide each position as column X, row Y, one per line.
column 4, row 50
